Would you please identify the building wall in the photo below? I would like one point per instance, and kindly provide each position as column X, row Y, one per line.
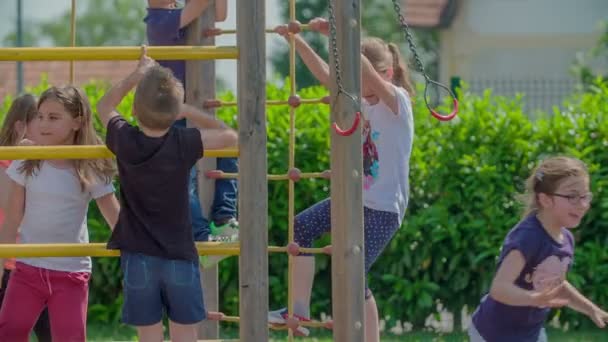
column 520, row 45
column 58, row 73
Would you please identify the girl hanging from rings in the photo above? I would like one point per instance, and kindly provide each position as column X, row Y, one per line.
column 388, row 130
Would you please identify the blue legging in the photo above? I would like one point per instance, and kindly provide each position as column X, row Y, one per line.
column 379, row 228
column 224, row 199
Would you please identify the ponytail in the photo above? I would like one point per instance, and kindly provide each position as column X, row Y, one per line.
column 400, row 72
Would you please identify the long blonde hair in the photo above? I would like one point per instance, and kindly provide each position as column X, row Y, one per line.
column 547, row 177
column 22, row 109
column 77, row 105
column 384, row 55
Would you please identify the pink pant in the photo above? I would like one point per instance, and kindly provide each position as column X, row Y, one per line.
column 30, row 289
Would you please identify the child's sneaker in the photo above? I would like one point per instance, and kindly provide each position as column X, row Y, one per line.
column 279, row 317
column 227, row 232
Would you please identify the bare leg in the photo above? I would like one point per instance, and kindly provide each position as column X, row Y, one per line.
column 183, row 332
column 151, row 333
column 302, row 279
column 372, row 324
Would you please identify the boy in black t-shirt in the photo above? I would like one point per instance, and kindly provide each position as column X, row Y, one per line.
column 158, row 255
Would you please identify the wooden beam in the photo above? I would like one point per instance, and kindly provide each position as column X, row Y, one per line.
column 253, row 188
column 347, row 262
column 200, row 85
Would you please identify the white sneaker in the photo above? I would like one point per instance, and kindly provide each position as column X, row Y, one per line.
column 279, row 317
column 227, row 232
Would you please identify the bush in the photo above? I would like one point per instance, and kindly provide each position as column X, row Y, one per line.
column 465, row 176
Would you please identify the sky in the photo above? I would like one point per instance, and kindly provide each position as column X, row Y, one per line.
column 42, row 10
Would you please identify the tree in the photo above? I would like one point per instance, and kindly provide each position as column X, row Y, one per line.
column 378, row 19
column 108, row 22
column 583, row 68
column 28, row 36
column 98, row 23
column 304, row 13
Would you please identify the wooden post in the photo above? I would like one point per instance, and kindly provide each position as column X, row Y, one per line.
column 347, row 262
column 200, row 85
column 253, row 188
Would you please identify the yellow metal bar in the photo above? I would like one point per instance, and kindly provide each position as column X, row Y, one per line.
column 86, row 249
column 276, row 177
column 117, row 53
column 310, row 324
column 233, row 248
column 73, row 33
column 79, row 152
column 268, row 30
column 276, row 102
column 40, row 250
column 277, row 249
column 292, row 162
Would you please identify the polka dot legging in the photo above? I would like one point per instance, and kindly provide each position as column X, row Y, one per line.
column 379, row 228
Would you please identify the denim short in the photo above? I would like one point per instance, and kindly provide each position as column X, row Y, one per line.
column 153, row 285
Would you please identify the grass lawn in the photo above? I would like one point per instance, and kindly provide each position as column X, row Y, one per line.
column 98, row 332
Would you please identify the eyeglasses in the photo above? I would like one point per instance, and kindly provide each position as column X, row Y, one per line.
column 576, row 199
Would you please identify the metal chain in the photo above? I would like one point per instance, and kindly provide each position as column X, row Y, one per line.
column 409, row 38
column 336, row 54
column 420, row 66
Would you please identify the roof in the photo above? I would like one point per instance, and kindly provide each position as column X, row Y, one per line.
column 429, row 13
column 59, row 73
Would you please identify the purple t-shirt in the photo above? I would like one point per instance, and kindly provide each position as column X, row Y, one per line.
column 547, row 262
column 162, row 29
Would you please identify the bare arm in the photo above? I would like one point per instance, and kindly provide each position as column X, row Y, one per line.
column 201, row 119
column 505, row 291
column 219, row 138
column 4, row 184
column 106, row 107
column 503, row 288
column 109, row 208
column 14, row 214
column 221, row 10
column 382, row 88
column 316, row 64
column 583, row 305
column 215, row 133
column 578, row 302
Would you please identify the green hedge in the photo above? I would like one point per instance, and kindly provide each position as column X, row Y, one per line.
column 465, row 176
